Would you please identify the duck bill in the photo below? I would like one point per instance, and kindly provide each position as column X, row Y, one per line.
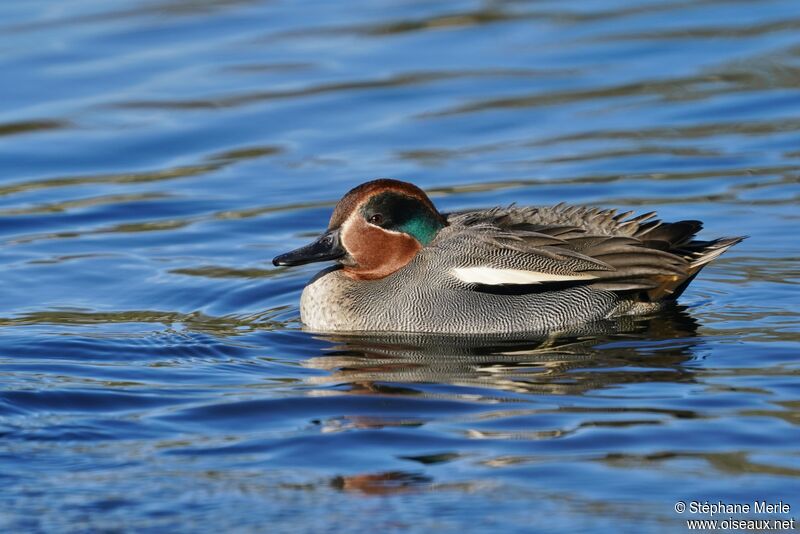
column 327, row 247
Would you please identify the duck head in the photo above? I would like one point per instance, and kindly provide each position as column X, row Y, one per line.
column 375, row 229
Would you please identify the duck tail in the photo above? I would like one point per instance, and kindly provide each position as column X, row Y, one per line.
column 699, row 254
column 711, row 250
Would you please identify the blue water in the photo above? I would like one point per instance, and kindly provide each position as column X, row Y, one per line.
column 155, row 155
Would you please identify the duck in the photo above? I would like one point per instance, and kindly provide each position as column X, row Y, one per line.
column 402, row 266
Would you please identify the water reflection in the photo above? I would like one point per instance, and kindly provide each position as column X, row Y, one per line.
column 596, row 356
column 227, row 326
column 22, row 127
column 407, row 79
column 382, row 483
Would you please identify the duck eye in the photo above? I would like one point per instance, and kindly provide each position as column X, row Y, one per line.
column 376, row 219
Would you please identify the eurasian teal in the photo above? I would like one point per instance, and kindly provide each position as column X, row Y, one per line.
column 403, row 266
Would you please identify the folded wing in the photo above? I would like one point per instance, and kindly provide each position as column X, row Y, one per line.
column 576, row 245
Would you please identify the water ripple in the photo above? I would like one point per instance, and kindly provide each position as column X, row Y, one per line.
column 157, row 154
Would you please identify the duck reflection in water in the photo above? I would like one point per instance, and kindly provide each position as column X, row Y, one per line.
column 595, row 357
column 637, row 349
column 386, row 483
